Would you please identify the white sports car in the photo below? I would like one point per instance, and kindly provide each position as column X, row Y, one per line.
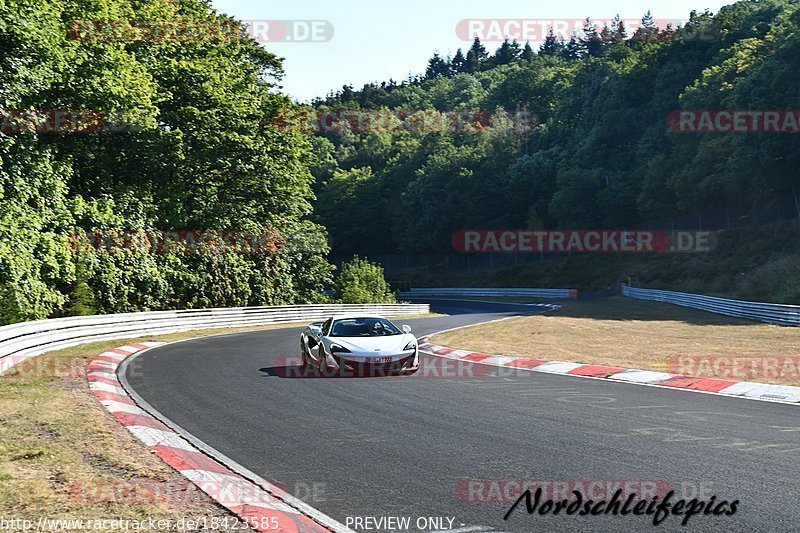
column 366, row 345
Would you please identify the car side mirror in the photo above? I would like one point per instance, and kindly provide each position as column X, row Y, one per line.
column 406, row 328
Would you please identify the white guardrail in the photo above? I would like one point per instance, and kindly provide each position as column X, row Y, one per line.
column 28, row 339
column 421, row 292
column 784, row 315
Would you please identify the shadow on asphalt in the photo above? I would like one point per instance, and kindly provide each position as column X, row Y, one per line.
column 448, row 306
column 430, row 368
column 300, row 372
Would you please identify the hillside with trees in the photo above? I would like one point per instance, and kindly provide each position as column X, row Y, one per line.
column 194, row 137
column 578, row 137
column 188, row 143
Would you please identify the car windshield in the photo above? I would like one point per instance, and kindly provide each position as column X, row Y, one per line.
column 363, row 327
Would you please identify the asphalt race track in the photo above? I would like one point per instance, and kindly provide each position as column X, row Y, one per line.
column 408, row 446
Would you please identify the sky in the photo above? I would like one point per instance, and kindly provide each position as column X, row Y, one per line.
column 357, row 41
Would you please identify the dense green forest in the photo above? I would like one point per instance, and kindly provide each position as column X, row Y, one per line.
column 579, row 136
column 192, row 135
column 188, row 143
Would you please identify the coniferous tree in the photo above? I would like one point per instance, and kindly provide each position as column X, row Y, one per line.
column 576, row 48
column 618, row 29
column 592, row 39
column 552, row 45
column 507, row 53
column 436, row 67
column 667, row 34
column 459, row 62
column 647, row 32
column 607, row 36
column 528, row 54
column 347, row 94
column 477, row 56
column 647, row 20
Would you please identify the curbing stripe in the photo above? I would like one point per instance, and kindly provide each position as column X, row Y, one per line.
column 557, row 367
column 113, row 360
column 764, row 390
column 100, row 363
column 129, row 349
column 525, row 363
column 263, row 510
column 128, row 419
column 102, row 374
column 643, row 376
column 100, row 386
column 702, row 384
column 101, row 366
column 497, row 360
column 747, row 390
column 234, row 491
column 114, row 354
column 117, row 407
column 158, row 437
column 188, row 460
column 475, row 357
column 598, row 371
column 94, row 377
column 112, row 397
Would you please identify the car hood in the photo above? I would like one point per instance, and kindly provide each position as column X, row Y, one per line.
column 391, row 344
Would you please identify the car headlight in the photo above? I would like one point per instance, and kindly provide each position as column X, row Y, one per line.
column 410, row 346
column 338, row 348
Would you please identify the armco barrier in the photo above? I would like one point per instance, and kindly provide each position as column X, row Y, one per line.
column 28, row 339
column 785, row 315
column 421, row 292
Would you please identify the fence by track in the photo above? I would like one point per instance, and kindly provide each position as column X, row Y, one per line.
column 472, row 292
column 785, row 315
column 28, row 339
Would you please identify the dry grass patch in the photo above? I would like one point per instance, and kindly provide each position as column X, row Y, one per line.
column 62, row 455
column 632, row 333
